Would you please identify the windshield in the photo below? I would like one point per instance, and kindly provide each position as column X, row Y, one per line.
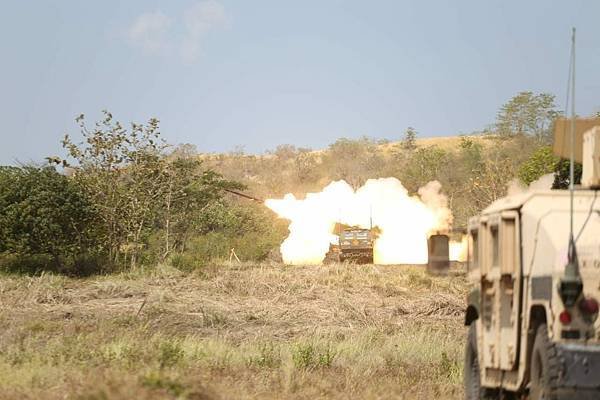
column 359, row 235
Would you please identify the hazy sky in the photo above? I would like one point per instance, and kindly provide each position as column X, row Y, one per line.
column 223, row 73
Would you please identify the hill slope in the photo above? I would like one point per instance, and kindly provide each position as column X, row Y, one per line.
column 473, row 170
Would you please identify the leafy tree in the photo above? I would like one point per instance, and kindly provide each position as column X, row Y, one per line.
column 410, row 139
column 44, row 213
column 121, row 171
column 189, row 193
column 424, row 165
column 285, row 152
column 354, row 161
column 485, row 172
column 463, row 166
column 471, row 154
column 306, row 167
column 541, row 162
column 185, row 151
column 527, row 114
column 137, row 189
column 491, row 182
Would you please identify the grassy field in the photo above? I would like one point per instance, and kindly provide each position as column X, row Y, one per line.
column 234, row 332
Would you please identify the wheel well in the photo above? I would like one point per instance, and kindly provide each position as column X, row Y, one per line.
column 471, row 315
column 537, row 317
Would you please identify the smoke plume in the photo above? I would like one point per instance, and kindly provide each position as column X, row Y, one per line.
column 404, row 221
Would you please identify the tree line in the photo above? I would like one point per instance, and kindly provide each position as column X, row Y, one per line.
column 121, row 197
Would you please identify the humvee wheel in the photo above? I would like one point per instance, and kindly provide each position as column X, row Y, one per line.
column 544, row 366
column 471, row 373
column 472, row 377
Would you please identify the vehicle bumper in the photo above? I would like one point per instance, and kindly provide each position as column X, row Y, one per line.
column 579, row 371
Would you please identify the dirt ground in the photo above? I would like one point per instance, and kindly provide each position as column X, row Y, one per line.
column 234, row 332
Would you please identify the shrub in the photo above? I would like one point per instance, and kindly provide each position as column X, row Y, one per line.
column 46, row 223
column 307, row 356
column 170, row 352
column 303, row 356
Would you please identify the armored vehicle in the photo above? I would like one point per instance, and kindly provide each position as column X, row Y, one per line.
column 532, row 313
column 354, row 244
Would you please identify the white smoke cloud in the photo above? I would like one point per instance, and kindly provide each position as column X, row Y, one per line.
column 404, row 221
column 432, row 197
column 199, row 19
column 155, row 32
column 149, row 31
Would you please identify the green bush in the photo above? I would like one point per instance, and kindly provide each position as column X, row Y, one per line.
column 46, row 223
column 250, row 229
column 541, row 162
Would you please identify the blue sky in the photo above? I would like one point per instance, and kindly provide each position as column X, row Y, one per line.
column 227, row 73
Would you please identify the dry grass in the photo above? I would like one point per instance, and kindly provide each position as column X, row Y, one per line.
column 234, row 332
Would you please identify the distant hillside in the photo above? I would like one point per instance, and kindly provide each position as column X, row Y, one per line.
column 474, row 170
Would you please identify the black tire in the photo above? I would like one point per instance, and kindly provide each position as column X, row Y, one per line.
column 544, row 367
column 472, row 372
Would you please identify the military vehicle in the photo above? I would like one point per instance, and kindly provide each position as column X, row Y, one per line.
column 438, row 254
column 354, row 244
column 532, row 314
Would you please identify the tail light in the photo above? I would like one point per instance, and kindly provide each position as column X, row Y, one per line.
column 589, row 306
column 565, row 317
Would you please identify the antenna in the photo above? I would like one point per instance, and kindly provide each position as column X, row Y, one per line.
column 572, row 160
column 570, row 286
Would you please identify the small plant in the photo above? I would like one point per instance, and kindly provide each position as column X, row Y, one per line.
column 326, row 358
column 303, row 356
column 306, row 356
column 213, row 319
column 170, row 352
column 120, row 351
column 450, row 367
column 268, row 357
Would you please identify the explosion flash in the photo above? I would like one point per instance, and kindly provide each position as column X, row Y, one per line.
column 404, row 221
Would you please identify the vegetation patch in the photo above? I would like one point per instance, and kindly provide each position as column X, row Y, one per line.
column 193, row 336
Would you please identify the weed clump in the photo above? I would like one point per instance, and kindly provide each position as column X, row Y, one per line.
column 170, row 352
column 268, row 357
column 308, row 356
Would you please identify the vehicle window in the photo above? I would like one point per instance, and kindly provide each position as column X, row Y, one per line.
column 495, row 245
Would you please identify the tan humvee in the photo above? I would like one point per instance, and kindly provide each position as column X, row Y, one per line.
column 530, row 334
